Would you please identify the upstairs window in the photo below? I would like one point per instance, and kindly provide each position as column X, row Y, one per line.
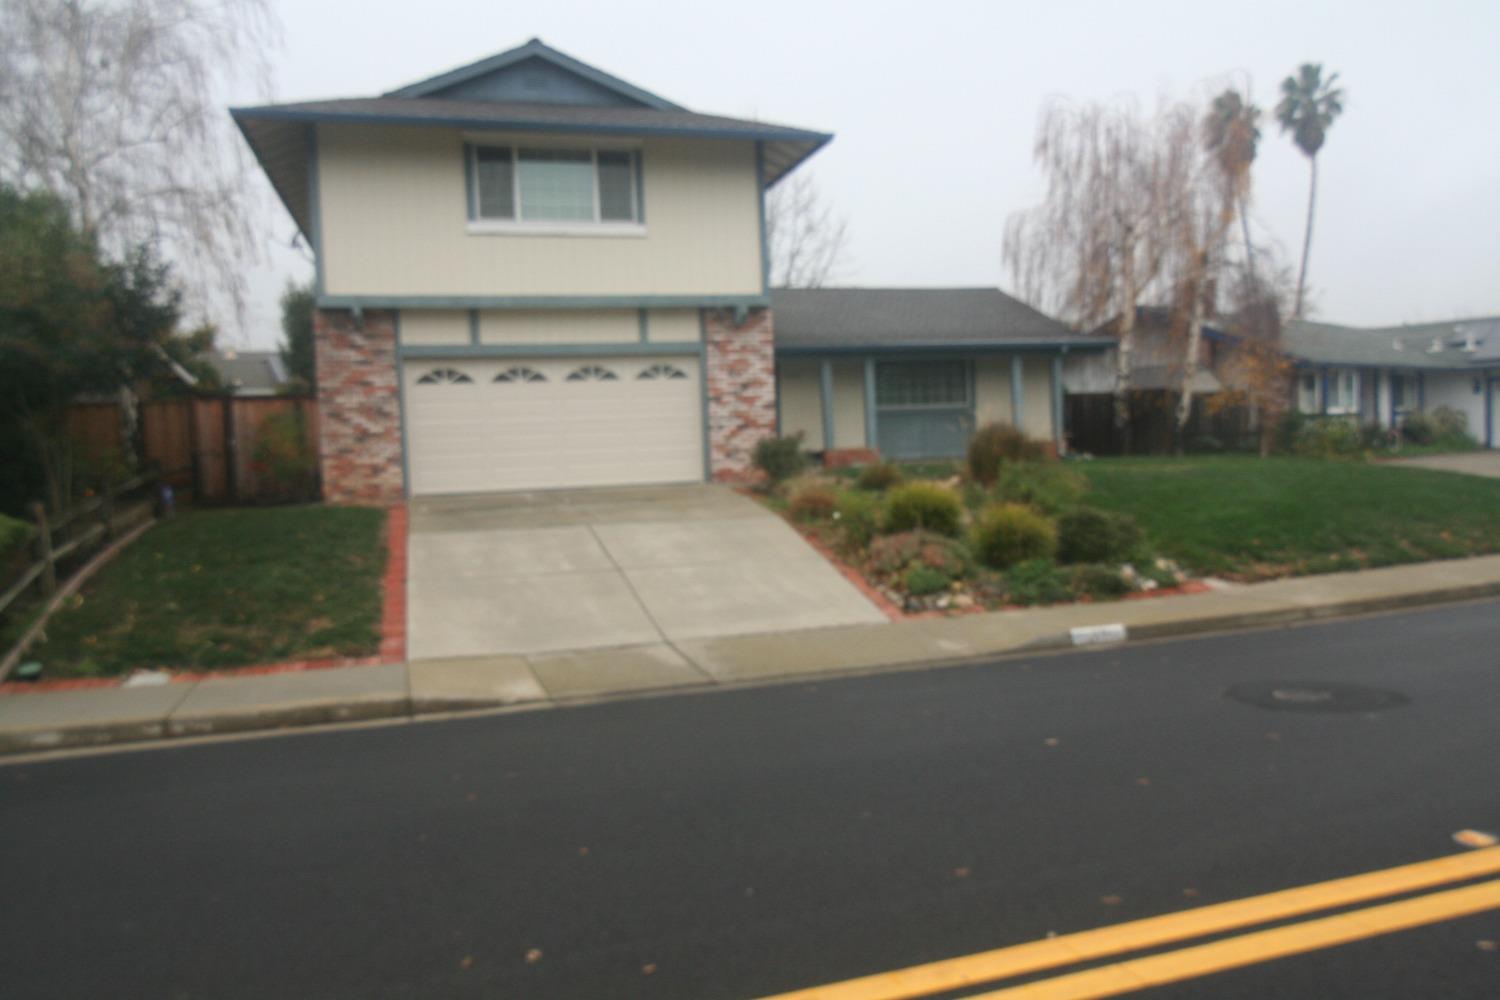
column 554, row 186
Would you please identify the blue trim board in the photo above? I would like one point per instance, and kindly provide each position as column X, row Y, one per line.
column 1017, row 393
column 1058, row 440
column 473, row 325
column 979, row 349
column 1323, row 392
column 469, row 199
column 315, row 210
column 825, row 395
column 644, row 320
column 872, row 425
column 640, row 187
column 616, row 350
column 760, row 194
column 708, row 466
column 542, row 301
column 401, row 415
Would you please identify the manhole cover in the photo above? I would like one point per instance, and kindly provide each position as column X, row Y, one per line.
column 1315, row 696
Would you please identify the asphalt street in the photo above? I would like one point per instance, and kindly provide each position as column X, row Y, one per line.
column 742, row 843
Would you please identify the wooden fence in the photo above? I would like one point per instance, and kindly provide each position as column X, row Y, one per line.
column 1090, row 425
column 209, row 441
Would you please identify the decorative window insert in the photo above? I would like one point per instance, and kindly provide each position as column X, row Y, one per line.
column 441, row 376
column 1307, row 392
column 520, row 375
column 554, row 186
column 922, row 385
column 662, row 372
column 592, row 373
column 1343, row 391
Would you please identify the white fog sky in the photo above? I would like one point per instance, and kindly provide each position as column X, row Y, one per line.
column 934, row 107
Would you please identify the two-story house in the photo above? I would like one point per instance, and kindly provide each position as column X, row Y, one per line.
column 531, row 274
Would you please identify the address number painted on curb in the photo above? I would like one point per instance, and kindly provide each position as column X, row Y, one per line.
column 1092, row 635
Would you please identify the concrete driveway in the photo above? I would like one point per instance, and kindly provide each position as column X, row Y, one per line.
column 588, row 569
column 1473, row 463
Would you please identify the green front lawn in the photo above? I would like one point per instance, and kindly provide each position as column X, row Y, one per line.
column 228, row 588
column 1253, row 518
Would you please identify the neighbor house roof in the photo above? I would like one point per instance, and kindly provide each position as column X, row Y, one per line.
column 1450, row 344
column 249, row 373
column 889, row 319
column 484, row 95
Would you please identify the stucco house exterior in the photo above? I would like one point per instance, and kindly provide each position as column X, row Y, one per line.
column 1377, row 374
column 532, row 275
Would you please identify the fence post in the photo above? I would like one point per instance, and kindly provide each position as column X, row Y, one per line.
column 44, row 549
column 231, row 453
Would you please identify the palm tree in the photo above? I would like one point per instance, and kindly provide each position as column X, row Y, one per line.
column 1231, row 131
column 1309, row 104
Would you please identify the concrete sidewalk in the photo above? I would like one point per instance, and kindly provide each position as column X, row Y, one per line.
column 48, row 721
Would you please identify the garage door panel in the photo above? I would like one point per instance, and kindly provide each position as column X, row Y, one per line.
column 482, row 435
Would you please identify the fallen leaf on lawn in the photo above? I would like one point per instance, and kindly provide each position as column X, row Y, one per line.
column 467, row 962
column 648, row 969
column 1486, row 945
column 960, row 873
column 533, row 956
column 1052, row 741
column 1110, row 900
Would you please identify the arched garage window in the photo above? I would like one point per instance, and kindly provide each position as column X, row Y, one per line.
column 520, row 375
column 438, row 376
column 593, row 373
column 662, row 371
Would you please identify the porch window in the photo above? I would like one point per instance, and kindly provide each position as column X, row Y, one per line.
column 1343, row 391
column 922, row 384
column 557, row 187
column 1403, row 392
column 1307, row 392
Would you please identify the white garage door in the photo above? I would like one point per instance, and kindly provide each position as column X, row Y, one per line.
column 477, row 426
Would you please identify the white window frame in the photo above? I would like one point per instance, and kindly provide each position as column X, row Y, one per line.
column 1340, row 379
column 541, row 227
column 1307, row 399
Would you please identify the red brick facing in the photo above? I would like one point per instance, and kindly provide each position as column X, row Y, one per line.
column 359, row 407
column 741, row 378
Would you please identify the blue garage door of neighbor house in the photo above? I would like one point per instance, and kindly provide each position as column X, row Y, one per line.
column 924, row 409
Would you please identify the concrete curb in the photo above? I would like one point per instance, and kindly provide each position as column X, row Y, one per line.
column 180, row 719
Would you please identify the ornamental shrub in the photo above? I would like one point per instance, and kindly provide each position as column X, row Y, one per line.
column 1087, row 535
column 1330, row 437
column 895, row 555
column 995, row 444
column 880, row 476
column 1037, row 581
column 1100, row 581
column 1006, row 534
column 924, row 506
column 858, row 517
column 923, row 580
column 780, row 458
column 812, row 499
column 1050, row 487
column 283, row 459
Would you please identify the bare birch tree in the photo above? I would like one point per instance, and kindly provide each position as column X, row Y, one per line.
column 1094, row 248
column 116, row 107
column 807, row 237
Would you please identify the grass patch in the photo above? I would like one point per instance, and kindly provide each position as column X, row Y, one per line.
column 228, row 588
column 1253, row 518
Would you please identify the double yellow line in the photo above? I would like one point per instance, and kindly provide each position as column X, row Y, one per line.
column 1193, row 961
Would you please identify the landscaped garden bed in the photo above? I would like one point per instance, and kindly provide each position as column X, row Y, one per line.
column 214, row 589
column 1011, row 527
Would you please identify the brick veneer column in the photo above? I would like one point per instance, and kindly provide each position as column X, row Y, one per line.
column 741, row 390
column 359, row 407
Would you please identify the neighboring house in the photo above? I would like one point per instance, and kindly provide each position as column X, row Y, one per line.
column 910, row 372
column 1378, row 374
column 250, row 373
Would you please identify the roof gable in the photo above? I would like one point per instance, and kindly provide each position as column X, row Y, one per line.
column 534, row 73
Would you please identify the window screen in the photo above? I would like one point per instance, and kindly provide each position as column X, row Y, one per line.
column 924, row 383
column 557, row 185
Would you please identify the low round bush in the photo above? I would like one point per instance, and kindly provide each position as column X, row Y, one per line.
column 995, row 444
column 924, row 506
column 880, row 476
column 1086, row 535
column 1010, row 533
column 780, row 458
column 858, row 517
column 895, row 555
column 1037, row 581
column 812, row 499
column 1100, row 581
column 923, row 580
column 1330, row 437
column 1050, row 487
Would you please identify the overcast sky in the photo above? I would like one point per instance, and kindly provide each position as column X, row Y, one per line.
column 934, row 107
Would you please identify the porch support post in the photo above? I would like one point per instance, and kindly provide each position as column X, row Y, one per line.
column 826, row 375
column 871, row 440
column 1057, row 403
column 1422, row 391
column 1017, row 403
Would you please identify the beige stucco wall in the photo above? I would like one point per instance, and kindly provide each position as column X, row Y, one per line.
column 800, row 386
column 673, row 326
column 427, row 327
column 394, row 221
column 548, row 326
